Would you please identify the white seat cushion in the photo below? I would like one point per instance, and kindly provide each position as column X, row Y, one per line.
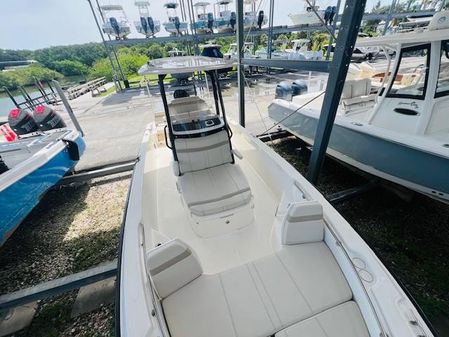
column 259, row 298
column 303, row 223
column 356, row 88
column 171, row 266
column 344, row 320
column 186, row 104
column 200, row 153
column 214, row 190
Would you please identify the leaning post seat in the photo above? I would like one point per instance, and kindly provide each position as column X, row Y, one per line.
column 208, row 180
column 199, row 153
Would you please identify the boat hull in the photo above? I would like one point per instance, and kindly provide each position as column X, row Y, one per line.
column 23, row 195
column 148, row 32
column 171, row 27
column 413, row 168
column 306, row 18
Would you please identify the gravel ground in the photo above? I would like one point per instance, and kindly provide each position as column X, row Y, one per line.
column 72, row 229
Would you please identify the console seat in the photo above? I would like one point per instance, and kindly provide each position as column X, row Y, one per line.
column 214, row 190
column 209, row 181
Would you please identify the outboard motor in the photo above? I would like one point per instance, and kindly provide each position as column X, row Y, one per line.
column 21, row 122
column 177, row 24
column 299, row 87
column 151, row 24
column 210, row 21
column 115, row 26
column 180, row 93
column 332, row 16
column 327, row 14
column 284, row 91
column 260, row 19
column 144, row 24
column 47, row 118
column 233, row 20
column 3, row 166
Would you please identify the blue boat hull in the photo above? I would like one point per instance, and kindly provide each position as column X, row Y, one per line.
column 424, row 172
column 21, row 197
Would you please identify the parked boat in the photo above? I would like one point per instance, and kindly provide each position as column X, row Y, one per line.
column 174, row 25
column 301, row 50
column 115, row 22
column 278, row 50
column 395, row 127
column 226, row 19
column 31, row 165
column 222, row 237
column 253, row 19
column 311, row 15
column 204, row 20
column 146, row 24
column 231, row 54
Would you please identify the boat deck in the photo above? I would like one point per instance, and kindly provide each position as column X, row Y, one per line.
column 172, row 219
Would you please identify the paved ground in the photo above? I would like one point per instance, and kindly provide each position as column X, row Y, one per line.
column 113, row 126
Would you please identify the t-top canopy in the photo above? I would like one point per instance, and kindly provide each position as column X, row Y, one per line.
column 112, row 8
column 437, row 30
column 183, row 64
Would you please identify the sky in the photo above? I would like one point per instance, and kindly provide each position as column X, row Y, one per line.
column 34, row 24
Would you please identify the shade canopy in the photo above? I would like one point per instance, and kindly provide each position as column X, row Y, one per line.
column 437, row 30
column 112, row 8
column 183, row 64
column 411, row 38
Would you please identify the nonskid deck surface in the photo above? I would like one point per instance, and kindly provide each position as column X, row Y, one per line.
column 248, row 284
column 173, row 218
column 16, row 152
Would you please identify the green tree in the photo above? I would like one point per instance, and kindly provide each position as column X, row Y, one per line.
column 155, row 51
column 319, row 40
column 101, row 68
column 70, row 68
column 9, row 80
column 26, row 76
column 130, row 64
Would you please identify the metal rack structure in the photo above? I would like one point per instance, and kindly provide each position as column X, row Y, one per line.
column 351, row 18
column 337, row 69
column 187, row 14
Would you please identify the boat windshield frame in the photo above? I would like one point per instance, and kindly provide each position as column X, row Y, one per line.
column 421, row 46
column 212, row 72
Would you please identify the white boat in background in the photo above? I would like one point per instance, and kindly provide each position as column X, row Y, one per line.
column 312, row 15
column 301, row 51
column 174, row 25
column 115, row 22
column 225, row 19
column 248, row 51
column 204, row 20
column 252, row 18
column 146, row 24
column 278, row 50
column 41, row 152
column 222, row 237
column 395, row 127
column 414, row 21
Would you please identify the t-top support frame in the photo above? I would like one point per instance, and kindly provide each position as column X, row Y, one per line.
column 338, row 69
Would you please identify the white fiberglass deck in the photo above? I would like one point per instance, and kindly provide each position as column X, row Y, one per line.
column 173, row 217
